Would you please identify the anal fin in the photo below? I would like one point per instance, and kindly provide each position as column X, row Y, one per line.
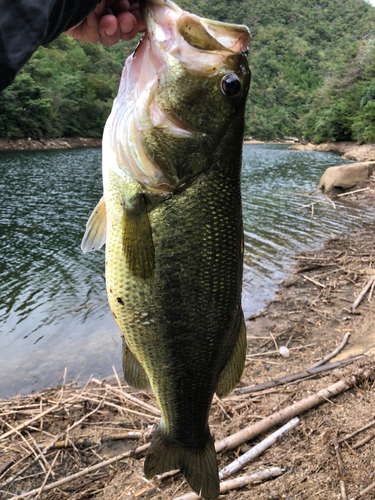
column 134, row 374
column 232, row 371
column 138, row 246
column 96, row 229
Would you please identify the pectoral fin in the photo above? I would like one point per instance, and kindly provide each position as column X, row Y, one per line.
column 134, row 374
column 96, row 229
column 137, row 238
column 232, row 371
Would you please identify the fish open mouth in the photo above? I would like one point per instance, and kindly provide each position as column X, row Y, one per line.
column 173, row 37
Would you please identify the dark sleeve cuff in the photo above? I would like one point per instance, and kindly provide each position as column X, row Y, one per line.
column 25, row 25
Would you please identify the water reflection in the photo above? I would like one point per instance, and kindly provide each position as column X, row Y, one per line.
column 47, row 197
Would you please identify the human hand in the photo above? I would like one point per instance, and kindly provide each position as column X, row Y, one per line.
column 111, row 21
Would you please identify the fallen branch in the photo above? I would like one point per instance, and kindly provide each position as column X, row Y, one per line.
column 84, row 472
column 129, row 397
column 257, row 450
column 363, row 293
column 287, row 413
column 239, row 482
column 299, row 376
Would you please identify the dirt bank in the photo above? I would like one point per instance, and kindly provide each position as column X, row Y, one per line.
column 349, row 150
column 63, row 143
column 311, row 313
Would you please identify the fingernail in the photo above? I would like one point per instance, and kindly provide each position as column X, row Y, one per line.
column 111, row 30
column 127, row 25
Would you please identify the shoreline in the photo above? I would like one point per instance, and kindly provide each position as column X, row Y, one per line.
column 349, row 150
column 50, row 144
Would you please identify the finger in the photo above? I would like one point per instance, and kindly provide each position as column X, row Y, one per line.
column 128, row 25
column 109, row 30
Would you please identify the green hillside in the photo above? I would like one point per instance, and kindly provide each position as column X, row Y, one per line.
column 313, row 74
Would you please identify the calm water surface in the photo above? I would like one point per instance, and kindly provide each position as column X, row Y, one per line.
column 53, row 310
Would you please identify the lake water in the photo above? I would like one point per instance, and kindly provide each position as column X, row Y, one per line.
column 53, row 308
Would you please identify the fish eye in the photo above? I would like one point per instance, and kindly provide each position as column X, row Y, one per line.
column 231, row 85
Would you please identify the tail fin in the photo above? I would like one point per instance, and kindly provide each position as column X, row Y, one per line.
column 198, row 465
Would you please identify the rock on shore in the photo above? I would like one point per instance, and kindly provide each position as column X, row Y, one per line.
column 349, row 150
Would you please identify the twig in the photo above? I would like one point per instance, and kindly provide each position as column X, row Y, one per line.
column 84, row 472
column 257, row 450
column 313, row 281
column 345, row 438
column 298, row 376
column 363, row 293
column 239, row 482
column 334, row 353
column 66, row 443
column 129, row 397
column 371, row 291
column 287, row 413
column 341, row 468
column 363, row 441
column 38, row 417
column 364, row 492
column 352, row 192
column 48, row 474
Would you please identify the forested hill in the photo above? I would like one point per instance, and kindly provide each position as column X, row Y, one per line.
column 312, row 62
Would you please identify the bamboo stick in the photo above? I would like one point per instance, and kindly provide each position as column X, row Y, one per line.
column 257, row 450
column 239, row 482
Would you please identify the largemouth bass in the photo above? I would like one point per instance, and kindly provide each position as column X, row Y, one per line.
column 172, row 221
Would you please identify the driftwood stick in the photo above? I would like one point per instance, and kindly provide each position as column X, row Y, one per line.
column 348, row 436
column 363, row 441
column 298, row 376
column 239, row 482
column 38, row 417
column 129, row 397
column 257, row 450
column 287, row 413
column 371, row 291
column 84, row 472
column 363, row 293
column 334, row 353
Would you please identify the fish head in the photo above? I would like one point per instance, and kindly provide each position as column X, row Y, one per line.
column 181, row 91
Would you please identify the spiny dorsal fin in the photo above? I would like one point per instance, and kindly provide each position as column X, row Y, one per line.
column 96, row 229
column 137, row 238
